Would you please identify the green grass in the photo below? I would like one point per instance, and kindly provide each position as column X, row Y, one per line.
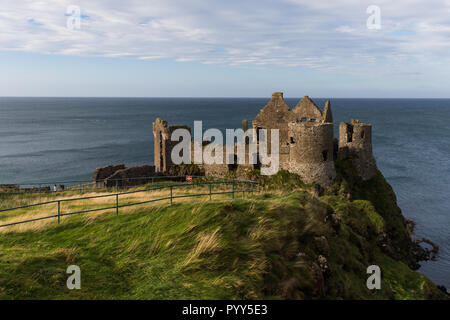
column 263, row 247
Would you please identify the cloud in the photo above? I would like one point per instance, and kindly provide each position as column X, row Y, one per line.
column 331, row 36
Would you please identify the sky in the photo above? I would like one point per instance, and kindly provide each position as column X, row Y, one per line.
column 225, row 48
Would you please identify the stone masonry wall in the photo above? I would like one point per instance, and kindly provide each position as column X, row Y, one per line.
column 355, row 143
column 311, row 152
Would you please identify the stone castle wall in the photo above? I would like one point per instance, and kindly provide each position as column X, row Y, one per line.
column 306, row 143
column 163, row 145
column 355, row 143
column 311, row 152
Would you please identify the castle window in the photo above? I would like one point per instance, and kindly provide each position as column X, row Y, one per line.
column 349, row 134
column 292, row 140
column 312, row 120
column 303, row 120
column 325, row 155
column 362, row 134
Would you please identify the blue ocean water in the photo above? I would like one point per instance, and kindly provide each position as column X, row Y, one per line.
column 60, row 139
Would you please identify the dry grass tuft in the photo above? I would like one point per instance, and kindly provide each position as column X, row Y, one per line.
column 206, row 243
column 70, row 254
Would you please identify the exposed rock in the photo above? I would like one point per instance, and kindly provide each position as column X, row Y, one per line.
column 444, row 289
column 317, row 191
column 410, row 226
column 127, row 176
column 425, row 254
column 324, row 265
column 104, row 172
column 335, row 221
column 321, row 244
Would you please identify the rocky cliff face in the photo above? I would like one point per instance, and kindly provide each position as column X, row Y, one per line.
column 354, row 224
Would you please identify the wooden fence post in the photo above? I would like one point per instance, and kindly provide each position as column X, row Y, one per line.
column 232, row 193
column 210, row 187
column 59, row 211
column 171, row 197
column 117, row 204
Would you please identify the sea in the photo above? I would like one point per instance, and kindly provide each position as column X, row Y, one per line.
column 51, row 140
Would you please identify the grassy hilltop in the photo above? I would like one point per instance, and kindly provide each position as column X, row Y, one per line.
column 282, row 243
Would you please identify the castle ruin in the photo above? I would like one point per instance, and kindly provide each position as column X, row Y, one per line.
column 306, row 143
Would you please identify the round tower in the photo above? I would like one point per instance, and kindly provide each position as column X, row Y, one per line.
column 311, row 152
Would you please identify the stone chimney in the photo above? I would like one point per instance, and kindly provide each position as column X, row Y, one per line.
column 327, row 115
column 277, row 95
column 244, row 125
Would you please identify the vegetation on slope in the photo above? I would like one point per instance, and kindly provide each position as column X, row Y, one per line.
column 275, row 245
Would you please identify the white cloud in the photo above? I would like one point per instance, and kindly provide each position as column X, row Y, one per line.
column 330, row 36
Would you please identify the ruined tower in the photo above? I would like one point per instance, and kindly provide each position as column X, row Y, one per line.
column 163, row 145
column 311, row 143
column 355, row 143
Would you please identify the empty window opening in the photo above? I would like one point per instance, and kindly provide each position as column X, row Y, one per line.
column 349, row 134
column 362, row 134
column 312, row 120
column 325, row 155
column 303, row 120
column 292, row 140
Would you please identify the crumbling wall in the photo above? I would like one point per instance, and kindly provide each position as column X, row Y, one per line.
column 307, row 111
column 163, row 145
column 276, row 115
column 216, row 170
column 327, row 116
column 355, row 143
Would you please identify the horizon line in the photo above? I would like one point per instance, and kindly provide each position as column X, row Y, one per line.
column 217, row 97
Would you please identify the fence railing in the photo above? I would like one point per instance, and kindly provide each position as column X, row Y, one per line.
column 238, row 186
column 27, row 188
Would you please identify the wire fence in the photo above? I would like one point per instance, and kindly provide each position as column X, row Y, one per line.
column 23, row 194
column 86, row 185
column 237, row 186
